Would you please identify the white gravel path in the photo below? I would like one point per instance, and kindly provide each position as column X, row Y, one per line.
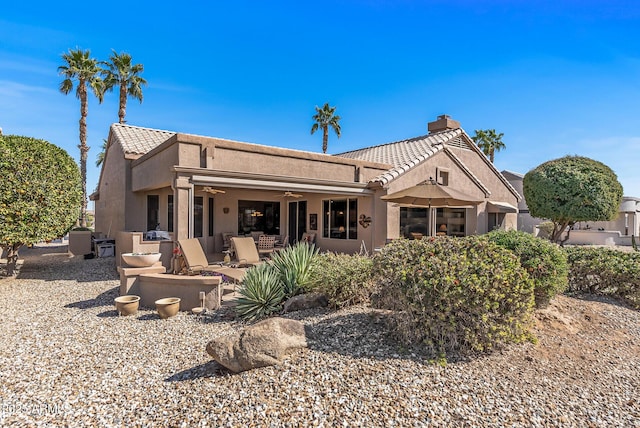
column 67, row 359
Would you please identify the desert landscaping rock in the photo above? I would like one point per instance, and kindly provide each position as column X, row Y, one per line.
column 305, row 301
column 265, row 343
column 68, row 359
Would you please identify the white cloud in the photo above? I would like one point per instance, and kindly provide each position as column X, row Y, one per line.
column 10, row 89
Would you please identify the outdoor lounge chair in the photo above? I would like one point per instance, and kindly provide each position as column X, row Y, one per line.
column 246, row 251
column 196, row 260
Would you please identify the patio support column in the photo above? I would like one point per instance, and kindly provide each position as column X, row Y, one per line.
column 183, row 208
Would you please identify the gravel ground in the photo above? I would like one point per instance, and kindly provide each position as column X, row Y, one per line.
column 68, row 359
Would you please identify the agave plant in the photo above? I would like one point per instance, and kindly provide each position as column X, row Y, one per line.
column 262, row 293
column 294, row 265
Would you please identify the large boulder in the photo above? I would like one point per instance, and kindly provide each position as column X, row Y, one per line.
column 306, row 301
column 265, row 343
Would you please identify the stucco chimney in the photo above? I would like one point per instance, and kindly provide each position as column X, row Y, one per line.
column 443, row 123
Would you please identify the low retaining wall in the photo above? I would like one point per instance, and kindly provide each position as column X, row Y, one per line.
column 130, row 277
column 598, row 237
column 154, row 286
column 152, row 283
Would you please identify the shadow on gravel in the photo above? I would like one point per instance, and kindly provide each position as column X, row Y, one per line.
column 366, row 335
column 208, row 369
column 108, row 314
column 601, row 298
column 102, row 299
column 54, row 264
column 221, row 315
column 149, row 317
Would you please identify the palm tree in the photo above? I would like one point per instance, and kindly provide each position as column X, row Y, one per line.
column 489, row 141
column 325, row 117
column 123, row 73
column 100, row 157
column 79, row 67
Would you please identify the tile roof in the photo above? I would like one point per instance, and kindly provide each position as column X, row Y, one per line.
column 137, row 140
column 405, row 154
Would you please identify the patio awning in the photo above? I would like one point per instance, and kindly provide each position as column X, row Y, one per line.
column 352, row 189
column 501, row 207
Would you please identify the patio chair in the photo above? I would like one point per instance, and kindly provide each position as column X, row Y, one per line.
column 266, row 244
column 256, row 235
column 193, row 254
column 226, row 241
column 196, row 260
column 308, row 237
column 246, row 251
column 283, row 243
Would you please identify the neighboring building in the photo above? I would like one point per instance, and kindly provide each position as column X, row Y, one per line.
column 196, row 186
column 526, row 223
column 616, row 232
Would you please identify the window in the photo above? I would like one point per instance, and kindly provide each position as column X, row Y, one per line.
column 340, row 219
column 170, row 213
column 210, row 217
column 413, row 222
column 496, row 221
column 198, row 216
column 451, row 221
column 153, row 210
column 258, row 216
column 442, row 176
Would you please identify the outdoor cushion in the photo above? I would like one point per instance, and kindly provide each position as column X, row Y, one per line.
column 246, row 251
column 196, row 260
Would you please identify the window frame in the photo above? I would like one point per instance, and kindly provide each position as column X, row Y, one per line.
column 332, row 227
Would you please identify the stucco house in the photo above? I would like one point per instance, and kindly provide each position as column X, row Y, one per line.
column 197, row 186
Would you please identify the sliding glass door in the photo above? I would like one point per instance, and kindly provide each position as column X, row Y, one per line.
column 297, row 220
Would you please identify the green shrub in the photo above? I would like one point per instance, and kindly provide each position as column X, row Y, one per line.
column 262, row 293
column 454, row 294
column 346, row 280
column 545, row 262
column 599, row 270
column 294, row 265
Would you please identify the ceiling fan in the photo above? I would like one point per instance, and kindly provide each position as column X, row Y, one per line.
column 288, row 194
column 212, row 190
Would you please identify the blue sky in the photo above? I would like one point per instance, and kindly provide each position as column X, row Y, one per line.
column 556, row 77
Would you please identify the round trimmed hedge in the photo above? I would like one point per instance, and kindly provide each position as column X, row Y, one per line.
column 454, row 294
